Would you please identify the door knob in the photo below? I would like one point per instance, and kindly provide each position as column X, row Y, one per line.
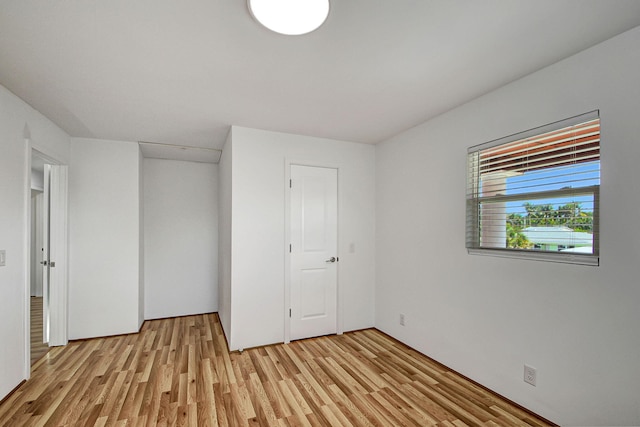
column 332, row 259
column 43, row 262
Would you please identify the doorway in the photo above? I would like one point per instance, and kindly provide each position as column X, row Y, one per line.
column 39, row 345
column 313, row 223
column 48, row 255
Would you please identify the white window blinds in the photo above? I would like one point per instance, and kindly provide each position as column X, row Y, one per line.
column 536, row 194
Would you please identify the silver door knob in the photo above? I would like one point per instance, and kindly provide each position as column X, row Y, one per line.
column 332, row 259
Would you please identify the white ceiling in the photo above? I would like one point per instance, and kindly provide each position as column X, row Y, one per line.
column 182, row 72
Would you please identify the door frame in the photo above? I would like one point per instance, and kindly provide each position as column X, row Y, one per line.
column 287, row 240
column 30, row 150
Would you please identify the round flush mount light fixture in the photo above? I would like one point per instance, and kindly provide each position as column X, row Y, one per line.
column 290, row 17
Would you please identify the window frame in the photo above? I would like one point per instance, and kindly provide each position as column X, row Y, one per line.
column 474, row 200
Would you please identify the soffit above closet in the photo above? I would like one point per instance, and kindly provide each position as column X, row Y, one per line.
column 154, row 150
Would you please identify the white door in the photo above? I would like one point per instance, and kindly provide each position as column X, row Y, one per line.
column 55, row 255
column 314, row 251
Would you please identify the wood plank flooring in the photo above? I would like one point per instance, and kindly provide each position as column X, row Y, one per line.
column 178, row 371
column 38, row 348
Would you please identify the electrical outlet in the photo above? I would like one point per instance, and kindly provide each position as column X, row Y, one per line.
column 3, row 258
column 402, row 320
column 530, row 375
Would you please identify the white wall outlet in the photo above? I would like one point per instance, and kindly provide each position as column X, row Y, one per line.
column 530, row 375
column 3, row 258
column 402, row 320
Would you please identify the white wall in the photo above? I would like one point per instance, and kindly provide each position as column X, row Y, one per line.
column 37, row 180
column 486, row 317
column 17, row 121
column 104, row 238
column 37, row 198
column 224, row 242
column 258, row 230
column 181, row 238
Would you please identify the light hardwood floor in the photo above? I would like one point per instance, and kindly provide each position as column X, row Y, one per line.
column 38, row 348
column 178, row 371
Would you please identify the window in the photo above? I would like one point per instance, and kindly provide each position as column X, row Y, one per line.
column 536, row 194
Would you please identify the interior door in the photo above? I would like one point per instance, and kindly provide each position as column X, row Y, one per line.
column 314, row 255
column 55, row 255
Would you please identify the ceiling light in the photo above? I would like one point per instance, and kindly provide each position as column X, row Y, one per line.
column 290, row 17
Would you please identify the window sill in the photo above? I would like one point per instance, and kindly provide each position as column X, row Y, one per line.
column 591, row 260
